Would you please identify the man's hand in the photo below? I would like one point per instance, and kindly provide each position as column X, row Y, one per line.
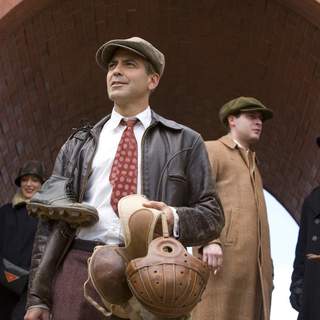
column 161, row 206
column 212, row 255
column 37, row 314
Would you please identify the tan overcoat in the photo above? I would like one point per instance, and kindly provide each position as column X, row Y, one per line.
column 241, row 290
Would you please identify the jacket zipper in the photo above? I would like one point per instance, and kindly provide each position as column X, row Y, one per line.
column 142, row 155
column 86, row 178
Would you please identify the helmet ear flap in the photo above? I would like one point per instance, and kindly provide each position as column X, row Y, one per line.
column 106, row 273
column 169, row 281
column 107, row 258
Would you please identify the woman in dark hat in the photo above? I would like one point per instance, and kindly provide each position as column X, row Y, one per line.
column 17, row 230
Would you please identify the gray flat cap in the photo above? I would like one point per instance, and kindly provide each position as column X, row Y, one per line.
column 135, row 44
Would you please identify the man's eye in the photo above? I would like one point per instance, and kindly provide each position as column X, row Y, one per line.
column 111, row 65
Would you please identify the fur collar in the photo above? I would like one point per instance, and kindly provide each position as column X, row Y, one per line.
column 19, row 200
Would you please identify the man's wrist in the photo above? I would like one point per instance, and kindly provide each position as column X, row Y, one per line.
column 175, row 222
column 40, row 306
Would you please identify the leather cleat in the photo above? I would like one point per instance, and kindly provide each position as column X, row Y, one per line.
column 78, row 214
column 55, row 201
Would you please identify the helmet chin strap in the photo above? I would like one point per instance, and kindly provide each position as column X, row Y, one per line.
column 165, row 228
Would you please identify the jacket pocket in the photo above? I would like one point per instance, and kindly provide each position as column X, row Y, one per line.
column 175, row 190
column 178, row 178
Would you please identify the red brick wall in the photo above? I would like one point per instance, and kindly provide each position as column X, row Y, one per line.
column 215, row 50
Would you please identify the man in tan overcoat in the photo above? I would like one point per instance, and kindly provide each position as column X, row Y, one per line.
column 240, row 287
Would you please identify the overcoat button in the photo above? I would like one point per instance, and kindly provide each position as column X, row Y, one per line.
column 317, row 221
column 314, row 238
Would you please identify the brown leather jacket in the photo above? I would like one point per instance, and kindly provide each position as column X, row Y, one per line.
column 175, row 170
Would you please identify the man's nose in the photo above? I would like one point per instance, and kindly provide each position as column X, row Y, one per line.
column 117, row 69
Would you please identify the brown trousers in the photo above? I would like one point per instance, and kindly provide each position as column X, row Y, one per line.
column 68, row 298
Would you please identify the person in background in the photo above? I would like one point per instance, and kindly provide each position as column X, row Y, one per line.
column 241, row 289
column 305, row 279
column 17, row 231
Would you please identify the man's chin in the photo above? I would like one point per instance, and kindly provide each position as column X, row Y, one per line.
column 115, row 96
column 254, row 139
column 118, row 99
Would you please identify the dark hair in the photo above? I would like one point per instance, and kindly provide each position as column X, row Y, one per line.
column 149, row 70
column 149, row 67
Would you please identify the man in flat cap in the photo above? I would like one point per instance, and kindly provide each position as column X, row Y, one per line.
column 242, row 287
column 132, row 150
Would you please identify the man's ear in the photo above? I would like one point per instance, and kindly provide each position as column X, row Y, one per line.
column 153, row 81
column 230, row 121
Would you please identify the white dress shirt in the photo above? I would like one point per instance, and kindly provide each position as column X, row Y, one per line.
column 98, row 192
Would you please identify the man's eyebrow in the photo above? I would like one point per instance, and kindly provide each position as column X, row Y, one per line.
column 129, row 59
column 126, row 60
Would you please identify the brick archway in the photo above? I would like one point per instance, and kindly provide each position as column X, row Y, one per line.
column 215, row 50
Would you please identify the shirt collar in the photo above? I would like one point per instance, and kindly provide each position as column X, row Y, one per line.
column 144, row 117
column 239, row 144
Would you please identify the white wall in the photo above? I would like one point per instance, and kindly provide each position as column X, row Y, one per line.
column 283, row 233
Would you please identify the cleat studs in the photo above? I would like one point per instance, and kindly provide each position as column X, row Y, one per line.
column 74, row 214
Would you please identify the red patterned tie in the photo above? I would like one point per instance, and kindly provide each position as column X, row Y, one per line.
column 124, row 171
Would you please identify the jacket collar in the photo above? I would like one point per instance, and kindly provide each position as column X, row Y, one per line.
column 228, row 141
column 167, row 123
column 156, row 118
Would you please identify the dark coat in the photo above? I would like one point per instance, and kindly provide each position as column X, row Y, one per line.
column 305, row 285
column 17, row 231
